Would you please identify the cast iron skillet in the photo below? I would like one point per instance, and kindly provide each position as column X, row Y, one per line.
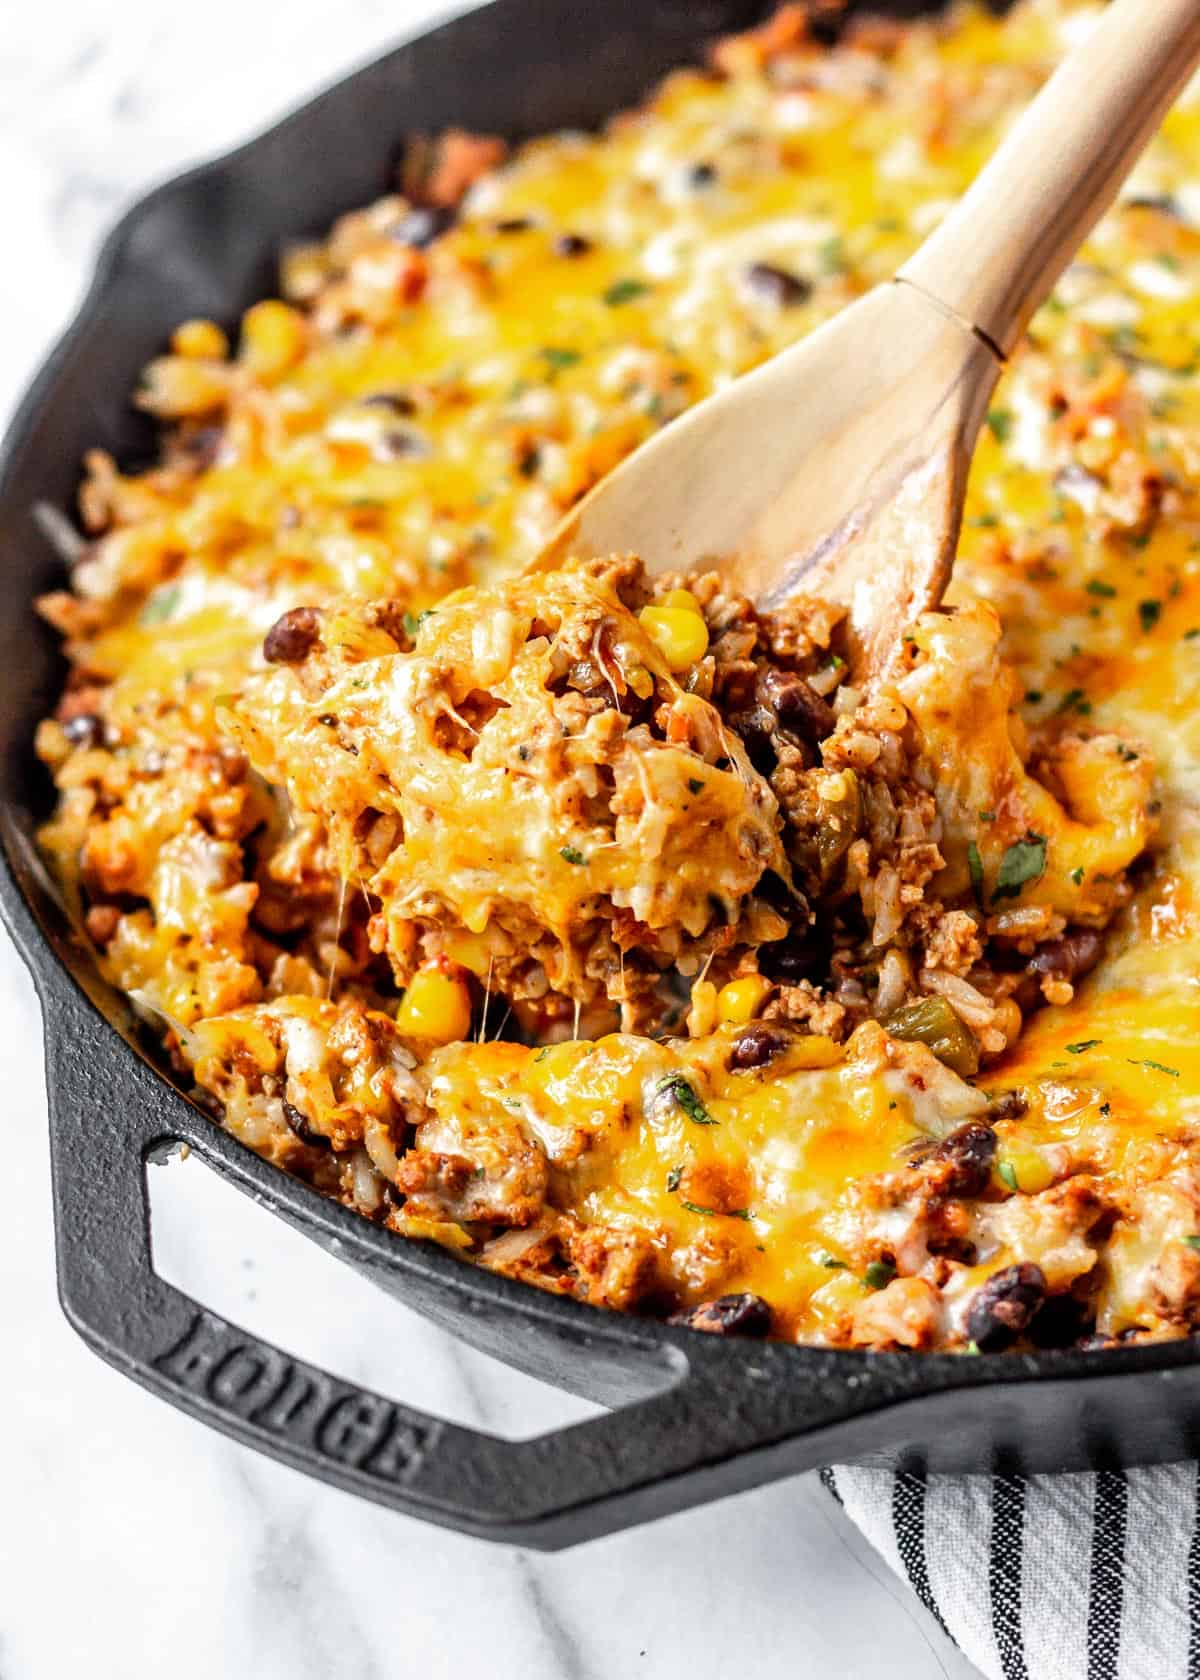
column 700, row 1417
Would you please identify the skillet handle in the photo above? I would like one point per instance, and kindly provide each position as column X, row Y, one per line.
column 695, row 1441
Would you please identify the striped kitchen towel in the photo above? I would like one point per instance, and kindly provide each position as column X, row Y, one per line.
column 1087, row 1577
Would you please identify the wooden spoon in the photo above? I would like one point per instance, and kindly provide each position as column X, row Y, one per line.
column 838, row 468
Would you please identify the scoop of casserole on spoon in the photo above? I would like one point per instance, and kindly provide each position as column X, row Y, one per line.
column 838, row 469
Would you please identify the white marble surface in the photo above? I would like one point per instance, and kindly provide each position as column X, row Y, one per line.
column 133, row 1542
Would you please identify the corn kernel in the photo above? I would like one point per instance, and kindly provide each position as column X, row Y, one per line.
column 740, row 1000
column 1026, row 1170
column 469, row 951
column 682, row 598
column 813, row 1051
column 436, row 1006
column 272, row 338
column 201, row 341
column 681, row 636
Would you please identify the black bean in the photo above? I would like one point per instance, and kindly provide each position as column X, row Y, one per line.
column 757, row 1045
column 796, row 704
column 970, row 1151
column 85, row 729
column 776, row 285
column 201, row 445
column 397, row 402
column 292, row 637
column 421, row 227
column 729, row 1315
column 1005, row 1306
column 303, row 1128
column 1062, row 1322
column 1075, row 954
column 801, row 956
column 755, row 728
column 572, row 245
column 401, row 444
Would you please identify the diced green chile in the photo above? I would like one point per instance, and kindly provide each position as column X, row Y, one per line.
column 932, row 1022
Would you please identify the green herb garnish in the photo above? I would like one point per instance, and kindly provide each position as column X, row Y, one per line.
column 830, row 1261
column 1098, row 587
column 975, row 865
column 1074, row 700
column 1083, row 1044
column 1158, row 1067
column 1007, row 1174
column 717, row 1213
column 161, row 605
column 879, row 1274
column 1149, row 612
column 571, row 854
column 684, row 1096
column 624, row 291
column 560, row 358
column 673, row 1178
column 1077, row 876
column 1192, row 1242
column 1000, row 424
column 1023, row 861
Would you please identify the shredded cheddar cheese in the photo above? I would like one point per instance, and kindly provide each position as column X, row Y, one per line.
column 592, row 925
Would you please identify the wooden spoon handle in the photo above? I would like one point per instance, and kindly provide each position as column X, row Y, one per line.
column 1000, row 250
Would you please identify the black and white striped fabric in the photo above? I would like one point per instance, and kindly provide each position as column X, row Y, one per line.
column 1089, row 1577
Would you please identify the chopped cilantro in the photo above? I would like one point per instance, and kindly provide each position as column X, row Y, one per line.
column 1007, row 1174
column 1158, row 1067
column 879, row 1274
column 161, row 605
column 830, row 1261
column 1192, row 1242
column 718, row 1213
column 677, row 1088
column 1000, row 424
column 1097, row 586
column 624, row 291
column 557, row 358
column 1190, row 635
column 1083, row 1044
column 542, row 1054
column 1106, row 1109
column 1023, row 861
column 1074, row 700
column 572, row 854
column 975, row 865
column 673, row 1178
column 833, row 255
column 987, row 816
column 1077, row 876
column 1149, row 612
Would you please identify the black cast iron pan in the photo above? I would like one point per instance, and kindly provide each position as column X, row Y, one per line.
column 698, row 1417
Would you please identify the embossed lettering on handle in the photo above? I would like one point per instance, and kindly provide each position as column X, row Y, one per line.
column 259, row 1385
